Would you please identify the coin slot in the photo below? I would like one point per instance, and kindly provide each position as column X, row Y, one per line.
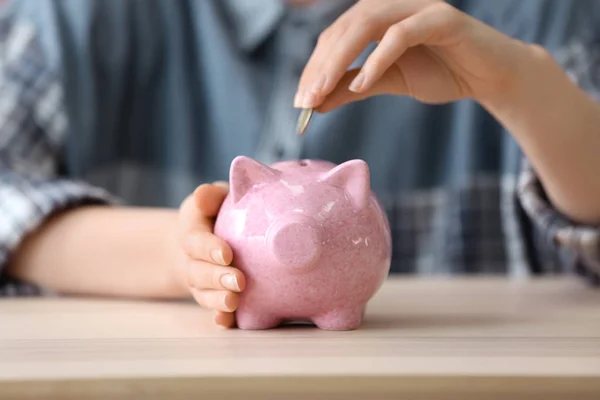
column 303, row 163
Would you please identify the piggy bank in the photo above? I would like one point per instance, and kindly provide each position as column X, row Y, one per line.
column 311, row 238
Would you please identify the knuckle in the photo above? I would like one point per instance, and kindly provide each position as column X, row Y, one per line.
column 444, row 8
column 339, row 28
column 329, row 65
column 326, row 35
column 398, row 32
column 344, row 24
column 365, row 29
column 369, row 21
column 449, row 15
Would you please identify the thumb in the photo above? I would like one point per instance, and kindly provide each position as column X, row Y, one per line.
column 391, row 82
column 209, row 198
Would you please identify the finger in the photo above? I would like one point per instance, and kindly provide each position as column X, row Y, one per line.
column 225, row 319
column 198, row 209
column 219, row 300
column 191, row 220
column 423, row 28
column 334, row 53
column 305, row 84
column 209, row 198
column 341, row 44
column 206, row 246
column 392, row 82
column 320, row 53
column 203, row 275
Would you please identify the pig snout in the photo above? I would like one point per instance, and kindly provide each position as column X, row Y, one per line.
column 295, row 244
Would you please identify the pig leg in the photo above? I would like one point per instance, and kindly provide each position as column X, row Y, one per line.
column 254, row 320
column 340, row 319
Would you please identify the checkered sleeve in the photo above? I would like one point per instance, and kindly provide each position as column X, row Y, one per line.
column 580, row 244
column 33, row 129
column 582, row 64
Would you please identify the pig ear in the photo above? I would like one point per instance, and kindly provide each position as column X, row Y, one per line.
column 354, row 177
column 245, row 173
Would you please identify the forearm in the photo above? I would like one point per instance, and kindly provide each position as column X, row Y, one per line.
column 102, row 251
column 558, row 128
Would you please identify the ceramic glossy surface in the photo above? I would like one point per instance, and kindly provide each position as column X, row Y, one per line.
column 311, row 238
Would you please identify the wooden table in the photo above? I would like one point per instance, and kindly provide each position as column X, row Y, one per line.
column 422, row 339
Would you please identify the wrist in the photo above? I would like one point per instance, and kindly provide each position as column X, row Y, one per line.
column 555, row 124
column 532, row 73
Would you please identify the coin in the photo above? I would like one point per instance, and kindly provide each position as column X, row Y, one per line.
column 304, row 120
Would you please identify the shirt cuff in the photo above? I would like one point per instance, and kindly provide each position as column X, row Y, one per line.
column 24, row 206
column 581, row 241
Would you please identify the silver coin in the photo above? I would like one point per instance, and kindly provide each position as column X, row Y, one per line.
column 304, row 120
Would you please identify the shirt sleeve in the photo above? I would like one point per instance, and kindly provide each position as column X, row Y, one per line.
column 580, row 243
column 33, row 130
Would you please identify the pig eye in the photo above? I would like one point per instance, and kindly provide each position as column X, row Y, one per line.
column 295, row 244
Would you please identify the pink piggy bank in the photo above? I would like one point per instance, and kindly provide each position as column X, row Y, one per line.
column 311, row 238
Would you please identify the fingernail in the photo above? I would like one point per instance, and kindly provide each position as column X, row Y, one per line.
column 357, row 83
column 298, row 100
column 230, row 282
column 229, row 302
column 217, row 256
column 309, row 101
column 319, row 85
column 219, row 320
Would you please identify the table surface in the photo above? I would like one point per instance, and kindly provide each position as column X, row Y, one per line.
column 419, row 336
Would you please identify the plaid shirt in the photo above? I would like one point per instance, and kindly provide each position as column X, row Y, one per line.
column 487, row 223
